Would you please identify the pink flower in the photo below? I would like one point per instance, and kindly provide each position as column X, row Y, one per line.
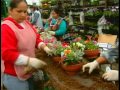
column 95, row 42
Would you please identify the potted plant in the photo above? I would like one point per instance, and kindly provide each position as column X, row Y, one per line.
column 91, row 50
column 47, row 38
column 73, row 58
column 56, row 51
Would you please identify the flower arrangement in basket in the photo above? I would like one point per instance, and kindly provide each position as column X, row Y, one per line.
column 73, row 58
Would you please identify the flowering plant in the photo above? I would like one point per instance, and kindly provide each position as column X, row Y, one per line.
column 57, row 48
column 74, row 54
column 88, row 44
column 47, row 38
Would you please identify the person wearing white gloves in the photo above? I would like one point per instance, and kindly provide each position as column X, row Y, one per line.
column 18, row 42
column 109, row 56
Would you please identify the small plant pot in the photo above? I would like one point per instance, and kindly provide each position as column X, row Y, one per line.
column 56, row 59
column 90, row 54
column 72, row 69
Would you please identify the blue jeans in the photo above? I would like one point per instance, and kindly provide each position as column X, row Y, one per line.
column 13, row 83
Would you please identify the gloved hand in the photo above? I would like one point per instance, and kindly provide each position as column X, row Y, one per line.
column 51, row 32
column 36, row 63
column 29, row 69
column 111, row 75
column 91, row 66
column 47, row 50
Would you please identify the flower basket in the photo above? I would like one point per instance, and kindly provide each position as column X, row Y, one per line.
column 90, row 54
column 72, row 69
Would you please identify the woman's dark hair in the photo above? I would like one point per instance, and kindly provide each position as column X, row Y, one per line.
column 14, row 3
column 57, row 10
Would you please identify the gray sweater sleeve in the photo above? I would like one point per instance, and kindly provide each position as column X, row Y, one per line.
column 35, row 18
column 110, row 55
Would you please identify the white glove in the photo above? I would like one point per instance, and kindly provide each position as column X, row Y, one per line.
column 32, row 62
column 111, row 75
column 29, row 69
column 36, row 63
column 47, row 50
column 91, row 66
column 51, row 32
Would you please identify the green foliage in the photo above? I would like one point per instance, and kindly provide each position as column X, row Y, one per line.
column 91, row 46
column 57, row 48
column 74, row 57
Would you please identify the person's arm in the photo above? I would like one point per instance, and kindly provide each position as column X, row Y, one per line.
column 8, row 45
column 110, row 55
column 62, row 29
column 101, row 60
column 35, row 18
column 46, row 25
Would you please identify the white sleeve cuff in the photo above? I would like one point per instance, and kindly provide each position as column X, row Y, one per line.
column 39, row 45
column 22, row 60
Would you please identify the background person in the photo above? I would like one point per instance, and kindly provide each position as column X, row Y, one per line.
column 36, row 18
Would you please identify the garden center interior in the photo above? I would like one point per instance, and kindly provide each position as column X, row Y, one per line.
column 81, row 40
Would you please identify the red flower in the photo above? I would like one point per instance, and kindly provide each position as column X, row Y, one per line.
column 65, row 44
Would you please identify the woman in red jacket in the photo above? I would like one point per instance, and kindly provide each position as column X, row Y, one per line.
column 19, row 40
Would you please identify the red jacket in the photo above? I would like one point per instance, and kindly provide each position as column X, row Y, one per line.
column 9, row 46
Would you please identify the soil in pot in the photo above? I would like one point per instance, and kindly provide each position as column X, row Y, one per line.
column 72, row 69
column 90, row 54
